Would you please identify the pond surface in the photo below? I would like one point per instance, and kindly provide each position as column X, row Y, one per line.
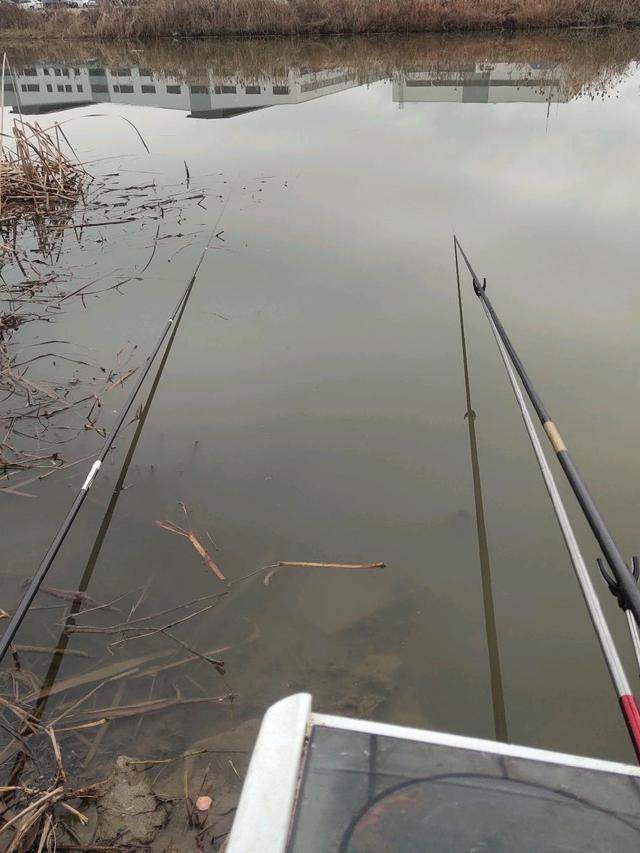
column 312, row 407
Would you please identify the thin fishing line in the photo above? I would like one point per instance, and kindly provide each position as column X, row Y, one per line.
column 495, row 671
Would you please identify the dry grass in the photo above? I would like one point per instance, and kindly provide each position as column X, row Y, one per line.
column 158, row 18
column 36, row 177
column 12, row 17
column 39, row 187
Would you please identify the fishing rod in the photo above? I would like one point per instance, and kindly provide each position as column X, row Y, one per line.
column 63, row 640
column 626, row 699
column 92, row 560
column 495, row 671
column 34, row 584
column 625, row 587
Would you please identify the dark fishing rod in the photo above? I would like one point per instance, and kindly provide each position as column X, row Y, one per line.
column 626, row 587
column 626, row 699
column 34, row 584
column 101, row 535
column 495, row 670
column 63, row 640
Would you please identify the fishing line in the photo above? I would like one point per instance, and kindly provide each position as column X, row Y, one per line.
column 495, row 671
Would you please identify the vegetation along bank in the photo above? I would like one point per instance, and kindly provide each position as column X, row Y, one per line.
column 160, row 18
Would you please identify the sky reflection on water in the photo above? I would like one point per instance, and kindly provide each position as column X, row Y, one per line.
column 313, row 404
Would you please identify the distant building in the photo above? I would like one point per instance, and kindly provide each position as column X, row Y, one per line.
column 482, row 83
column 47, row 88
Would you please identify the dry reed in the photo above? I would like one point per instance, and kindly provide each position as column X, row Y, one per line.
column 13, row 17
column 159, row 18
column 36, row 176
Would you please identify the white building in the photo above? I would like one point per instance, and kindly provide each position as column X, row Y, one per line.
column 47, row 88
column 482, row 83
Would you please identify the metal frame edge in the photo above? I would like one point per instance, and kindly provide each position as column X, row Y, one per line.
column 463, row 742
column 268, row 796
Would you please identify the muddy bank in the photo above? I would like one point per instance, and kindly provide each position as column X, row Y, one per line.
column 165, row 805
column 179, row 803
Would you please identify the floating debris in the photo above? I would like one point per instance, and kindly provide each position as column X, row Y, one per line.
column 75, row 595
column 171, row 527
column 302, row 564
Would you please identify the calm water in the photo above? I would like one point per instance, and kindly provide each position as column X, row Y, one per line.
column 312, row 407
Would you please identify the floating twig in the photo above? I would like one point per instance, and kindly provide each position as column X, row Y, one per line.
column 148, row 707
column 51, row 650
column 303, row 564
column 73, row 596
column 171, row 527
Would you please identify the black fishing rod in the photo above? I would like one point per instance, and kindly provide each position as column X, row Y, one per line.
column 34, row 584
column 92, row 560
column 625, row 585
column 63, row 640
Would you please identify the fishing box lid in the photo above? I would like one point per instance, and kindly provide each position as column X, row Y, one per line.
column 325, row 784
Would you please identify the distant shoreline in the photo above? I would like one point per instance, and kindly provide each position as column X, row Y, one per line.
column 153, row 19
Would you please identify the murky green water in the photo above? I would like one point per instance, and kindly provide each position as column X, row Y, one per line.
column 312, row 407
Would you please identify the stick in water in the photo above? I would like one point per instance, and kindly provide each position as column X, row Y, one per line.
column 303, row 564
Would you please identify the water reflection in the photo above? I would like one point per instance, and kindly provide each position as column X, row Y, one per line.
column 231, row 80
column 312, row 405
column 33, row 91
column 483, row 83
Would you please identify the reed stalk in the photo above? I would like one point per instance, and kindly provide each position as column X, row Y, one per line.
column 36, row 176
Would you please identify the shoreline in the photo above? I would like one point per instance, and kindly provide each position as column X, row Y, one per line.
column 9, row 37
column 266, row 19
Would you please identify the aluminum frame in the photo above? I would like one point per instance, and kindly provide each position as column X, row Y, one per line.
column 267, row 803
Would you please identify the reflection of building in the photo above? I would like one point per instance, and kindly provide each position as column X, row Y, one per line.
column 484, row 83
column 45, row 88
column 42, row 89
